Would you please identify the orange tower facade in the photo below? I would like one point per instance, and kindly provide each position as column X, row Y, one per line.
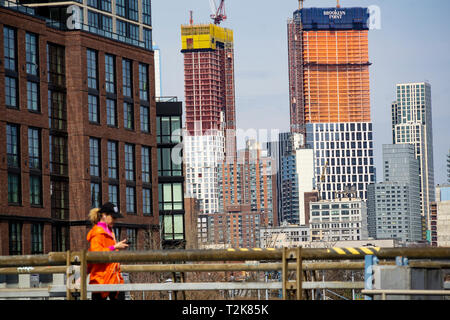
column 329, row 66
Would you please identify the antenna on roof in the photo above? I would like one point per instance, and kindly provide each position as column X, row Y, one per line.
column 191, row 18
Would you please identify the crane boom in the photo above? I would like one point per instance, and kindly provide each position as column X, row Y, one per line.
column 218, row 12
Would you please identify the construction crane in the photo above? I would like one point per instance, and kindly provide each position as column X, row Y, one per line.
column 219, row 13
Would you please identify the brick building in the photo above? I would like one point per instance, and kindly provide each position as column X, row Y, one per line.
column 77, row 128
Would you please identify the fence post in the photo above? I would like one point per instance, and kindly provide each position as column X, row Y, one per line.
column 370, row 261
column 69, row 271
column 83, row 276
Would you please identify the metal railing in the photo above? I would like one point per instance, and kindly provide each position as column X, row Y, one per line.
column 291, row 262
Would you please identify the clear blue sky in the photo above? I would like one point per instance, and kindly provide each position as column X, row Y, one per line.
column 411, row 46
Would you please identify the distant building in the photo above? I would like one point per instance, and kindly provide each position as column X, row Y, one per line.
column 440, row 218
column 338, row 220
column 394, row 205
column 237, row 227
column 412, row 124
column 285, row 235
column 249, row 180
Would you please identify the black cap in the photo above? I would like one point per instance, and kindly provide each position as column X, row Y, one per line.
column 111, row 209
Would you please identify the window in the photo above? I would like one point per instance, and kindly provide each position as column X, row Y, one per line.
column 128, row 115
column 93, row 109
column 133, row 10
column 92, row 68
column 129, row 162
column 96, row 198
column 146, row 166
column 9, row 43
column 93, row 21
column 166, row 165
column 147, row 38
column 11, row 92
column 31, row 47
column 127, row 78
column 121, row 26
column 134, row 31
column 58, row 155
column 113, row 194
column 57, row 110
column 59, row 199
column 112, row 160
column 94, row 157
column 145, row 119
column 35, row 190
column 170, row 196
column 146, row 12
column 37, row 235
column 120, row 8
column 106, row 23
column 60, row 238
column 131, row 199
column 110, row 74
column 15, row 238
column 33, row 96
column 56, row 65
column 147, row 201
column 173, row 228
column 143, row 82
column 111, row 112
column 106, row 5
column 34, row 148
column 132, row 239
column 14, row 188
column 168, row 129
column 12, row 146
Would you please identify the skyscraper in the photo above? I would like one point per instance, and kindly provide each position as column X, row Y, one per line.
column 394, row 205
column 412, row 124
column 330, row 95
column 210, row 108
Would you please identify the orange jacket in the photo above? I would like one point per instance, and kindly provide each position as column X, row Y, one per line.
column 103, row 273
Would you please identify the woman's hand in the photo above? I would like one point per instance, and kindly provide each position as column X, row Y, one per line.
column 121, row 245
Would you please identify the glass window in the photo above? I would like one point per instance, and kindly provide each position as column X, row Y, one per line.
column 131, row 199
column 132, row 239
column 129, row 162
column 170, row 196
column 33, row 96
column 60, row 238
column 56, row 65
column 93, row 21
column 58, row 155
column 128, row 115
column 168, row 129
column 95, row 195
column 9, row 44
column 173, row 228
column 31, row 47
column 147, row 201
column 14, row 188
column 35, row 190
column 146, row 167
column 94, row 156
column 57, row 110
column 106, row 23
column 112, row 160
column 127, row 79
column 147, row 38
column 37, row 235
column 106, row 5
column 121, row 27
column 34, row 148
column 110, row 74
column 143, row 81
column 146, row 12
column 12, row 145
column 59, row 199
column 145, row 119
column 166, row 165
column 134, row 31
column 133, row 10
column 92, row 68
column 120, row 8
column 113, row 194
column 15, row 238
column 93, row 109
column 11, row 92
column 111, row 112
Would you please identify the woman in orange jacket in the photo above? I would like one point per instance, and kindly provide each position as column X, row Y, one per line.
column 102, row 238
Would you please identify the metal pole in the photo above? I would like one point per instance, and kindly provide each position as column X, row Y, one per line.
column 284, row 270
column 299, row 272
column 83, row 276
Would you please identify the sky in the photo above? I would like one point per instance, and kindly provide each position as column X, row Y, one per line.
column 412, row 45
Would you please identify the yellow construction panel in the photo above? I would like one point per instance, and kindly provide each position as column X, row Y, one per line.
column 204, row 36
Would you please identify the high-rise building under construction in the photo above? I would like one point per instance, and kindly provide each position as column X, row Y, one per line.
column 210, row 108
column 330, row 95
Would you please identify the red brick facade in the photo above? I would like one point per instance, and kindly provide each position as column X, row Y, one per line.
column 78, row 132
